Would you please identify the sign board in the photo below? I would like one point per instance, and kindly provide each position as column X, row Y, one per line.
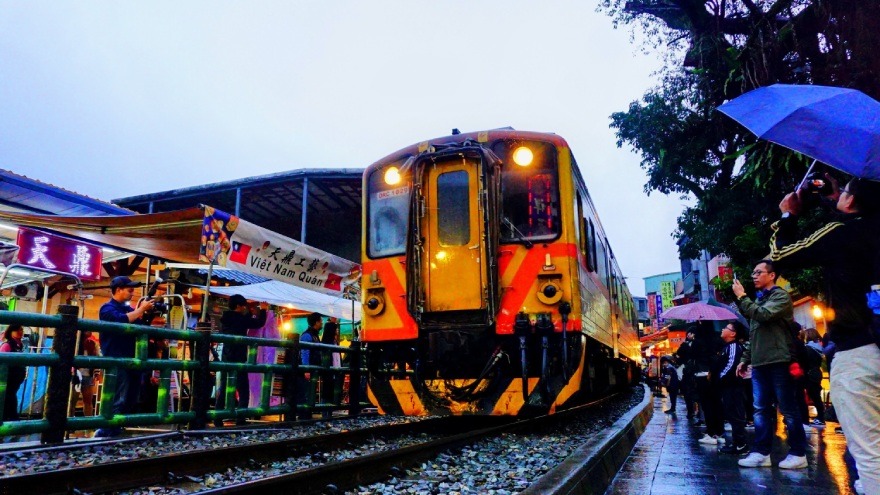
column 658, row 302
column 42, row 250
column 240, row 245
column 667, row 292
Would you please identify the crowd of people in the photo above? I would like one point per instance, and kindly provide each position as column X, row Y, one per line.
column 744, row 377
column 729, row 378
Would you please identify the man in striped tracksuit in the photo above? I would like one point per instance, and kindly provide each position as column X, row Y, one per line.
column 848, row 251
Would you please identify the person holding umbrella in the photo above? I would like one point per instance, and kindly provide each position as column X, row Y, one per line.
column 847, row 250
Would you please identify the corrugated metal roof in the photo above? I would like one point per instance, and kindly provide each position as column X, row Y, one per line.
column 235, row 276
column 256, row 182
column 22, row 194
column 332, row 198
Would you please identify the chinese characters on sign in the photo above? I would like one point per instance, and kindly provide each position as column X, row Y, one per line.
column 667, row 293
column 659, row 304
column 42, row 250
column 234, row 243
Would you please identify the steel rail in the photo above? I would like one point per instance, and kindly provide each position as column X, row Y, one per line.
column 348, row 474
column 121, row 475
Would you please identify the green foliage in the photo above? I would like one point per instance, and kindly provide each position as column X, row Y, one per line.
column 716, row 51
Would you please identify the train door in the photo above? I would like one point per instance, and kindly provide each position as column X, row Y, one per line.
column 454, row 267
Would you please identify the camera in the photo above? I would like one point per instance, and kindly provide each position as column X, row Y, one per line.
column 816, row 183
column 158, row 305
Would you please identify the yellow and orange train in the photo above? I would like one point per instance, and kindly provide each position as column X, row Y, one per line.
column 489, row 286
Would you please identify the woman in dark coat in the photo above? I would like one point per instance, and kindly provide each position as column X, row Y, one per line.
column 15, row 377
column 707, row 344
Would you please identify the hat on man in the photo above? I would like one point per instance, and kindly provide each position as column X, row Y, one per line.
column 120, row 282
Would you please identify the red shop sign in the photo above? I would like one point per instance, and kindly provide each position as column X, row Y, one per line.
column 42, row 250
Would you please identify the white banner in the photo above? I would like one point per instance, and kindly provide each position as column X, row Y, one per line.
column 241, row 245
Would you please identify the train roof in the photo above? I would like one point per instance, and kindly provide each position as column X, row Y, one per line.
column 481, row 136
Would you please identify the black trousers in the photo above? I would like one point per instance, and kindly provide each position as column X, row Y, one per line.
column 710, row 402
column 672, row 390
column 688, row 390
column 735, row 411
column 10, row 405
column 814, row 392
column 242, row 386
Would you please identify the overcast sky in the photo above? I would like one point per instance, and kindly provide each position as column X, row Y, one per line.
column 117, row 99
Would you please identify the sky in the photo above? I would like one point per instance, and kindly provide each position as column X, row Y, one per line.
column 115, row 99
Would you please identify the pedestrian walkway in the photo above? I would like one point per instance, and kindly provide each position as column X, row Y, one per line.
column 668, row 460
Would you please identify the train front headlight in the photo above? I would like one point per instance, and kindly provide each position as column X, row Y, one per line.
column 523, row 156
column 392, row 176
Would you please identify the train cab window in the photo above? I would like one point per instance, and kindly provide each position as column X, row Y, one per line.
column 387, row 213
column 453, row 209
column 529, row 191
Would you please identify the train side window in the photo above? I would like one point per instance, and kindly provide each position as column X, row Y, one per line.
column 592, row 256
column 583, row 234
column 602, row 264
column 608, row 257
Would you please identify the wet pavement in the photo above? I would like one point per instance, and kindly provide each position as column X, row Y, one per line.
column 668, row 460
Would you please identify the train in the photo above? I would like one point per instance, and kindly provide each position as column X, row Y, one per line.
column 489, row 286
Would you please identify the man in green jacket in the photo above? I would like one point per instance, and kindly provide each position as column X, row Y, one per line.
column 770, row 356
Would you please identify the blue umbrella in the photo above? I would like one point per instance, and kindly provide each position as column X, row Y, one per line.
column 837, row 126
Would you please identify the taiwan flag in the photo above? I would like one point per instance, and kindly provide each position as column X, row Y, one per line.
column 239, row 252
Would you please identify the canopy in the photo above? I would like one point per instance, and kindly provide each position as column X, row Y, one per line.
column 172, row 236
column 205, row 234
column 282, row 294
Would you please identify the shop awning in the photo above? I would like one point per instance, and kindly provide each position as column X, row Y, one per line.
column 281, row 294
column 654, row 338
column 172, row 236
column 205, row 234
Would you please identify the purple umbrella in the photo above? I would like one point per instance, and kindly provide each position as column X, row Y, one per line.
column 837, row 126
column 697, row 311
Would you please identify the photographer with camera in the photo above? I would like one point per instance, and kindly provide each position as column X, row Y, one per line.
column 128, row 381
column 847, row 250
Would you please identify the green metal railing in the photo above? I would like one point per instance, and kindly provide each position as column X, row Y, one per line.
column 62, row 361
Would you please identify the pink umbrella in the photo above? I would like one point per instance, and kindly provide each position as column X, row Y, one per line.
column 697, row 311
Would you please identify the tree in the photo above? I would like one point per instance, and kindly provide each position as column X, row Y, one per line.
column 715, row 51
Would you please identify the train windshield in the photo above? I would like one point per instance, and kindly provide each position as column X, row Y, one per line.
column 530, row 192
column 387, row 211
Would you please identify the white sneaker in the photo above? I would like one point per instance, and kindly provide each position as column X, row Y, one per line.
column 858, row 488
column 793, row 462
column 755, row 459
column 708, row 440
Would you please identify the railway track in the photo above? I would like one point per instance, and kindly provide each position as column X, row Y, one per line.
column 182, row 467
column 329, row 463
column 347, row 475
